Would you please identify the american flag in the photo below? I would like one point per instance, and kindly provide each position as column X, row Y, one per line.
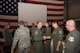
column 9, row 11
column 55, row 9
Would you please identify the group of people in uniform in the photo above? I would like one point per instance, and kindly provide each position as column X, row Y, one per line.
column 45, row 40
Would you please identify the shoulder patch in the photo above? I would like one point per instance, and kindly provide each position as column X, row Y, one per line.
column 60, row 32
column 71, row 39
column 36, row 32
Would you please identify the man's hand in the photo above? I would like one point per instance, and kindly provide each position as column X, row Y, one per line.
column 12, row 51
column 48, row 37
column 44, row 37
column 57, row 49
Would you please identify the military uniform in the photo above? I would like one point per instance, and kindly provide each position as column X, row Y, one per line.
column 22, row 36
column 32, row 33
column 73, row 42
column 47, row 44
column 38, row 41
column 8, row 37
column 57, row 35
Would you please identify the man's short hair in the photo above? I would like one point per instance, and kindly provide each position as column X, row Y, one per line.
column 71, row 22
column 25, row 22
column 56, row 22
column 20, row 22
column 38, row 21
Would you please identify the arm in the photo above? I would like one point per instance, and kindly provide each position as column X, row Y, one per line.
column 60, row 38
column 74, row 42
column 15, row 40
column 58, row 45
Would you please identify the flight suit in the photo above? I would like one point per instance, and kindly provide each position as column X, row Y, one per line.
column 32, row 33
column 57, row 35
column 73, row 42
column 22, row 37
column 47, row 44
column 8, row 37
column 38, row 41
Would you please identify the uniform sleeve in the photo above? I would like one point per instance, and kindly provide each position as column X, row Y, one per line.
column 74, row 42
column 52, row 35
column 50, row 31
column 37, row 36
column 6, row 33
column 60, row 35
column 15, row 40
column 43, row 31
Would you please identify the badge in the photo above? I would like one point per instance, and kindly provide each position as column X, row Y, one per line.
column 36, row 32
column 71, row 39
column 60, row 32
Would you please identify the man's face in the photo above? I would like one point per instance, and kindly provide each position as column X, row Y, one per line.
column 25, row 24
column 8, row 26
column 40, row 24
column 67, row 26
column 46, row 24
column 54, row 25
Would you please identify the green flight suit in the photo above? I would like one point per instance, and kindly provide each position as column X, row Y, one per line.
column 57, row 35
column 38, row 41
column 73, row 42
column 47, row 45
column 8, row 37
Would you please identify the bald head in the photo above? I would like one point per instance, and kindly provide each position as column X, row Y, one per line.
column 70, row 23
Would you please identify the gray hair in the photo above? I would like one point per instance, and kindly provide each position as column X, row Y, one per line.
column 71, row 23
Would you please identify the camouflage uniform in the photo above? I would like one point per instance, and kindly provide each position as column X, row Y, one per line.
column 38, row 41
column 57, row 35
column 22, row 36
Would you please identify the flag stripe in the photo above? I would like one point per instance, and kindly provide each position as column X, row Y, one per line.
column 8, row 20
column 11, row 23
column 13, row 27
column 8, row 17
column 60, row 20
column 49, row 9
column 55, row 7
column 54, row 14
column 48, row 1
column 55, row 17
column 45, row 3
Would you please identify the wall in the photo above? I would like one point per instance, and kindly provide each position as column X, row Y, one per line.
column 73, row 9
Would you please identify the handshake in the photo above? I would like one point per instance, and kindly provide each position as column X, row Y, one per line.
column 46, row 37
